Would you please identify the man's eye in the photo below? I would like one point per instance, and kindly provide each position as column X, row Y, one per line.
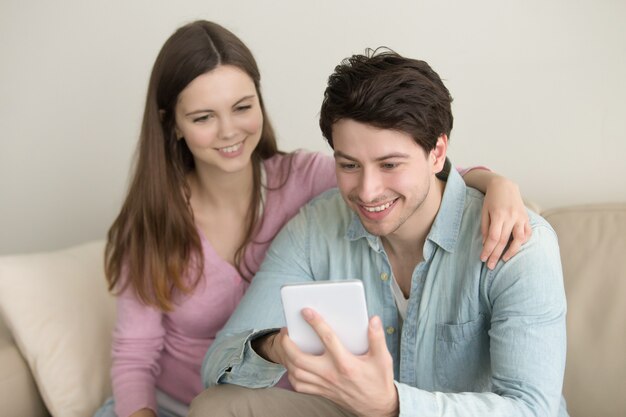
column 348, row 167
column 389, row 165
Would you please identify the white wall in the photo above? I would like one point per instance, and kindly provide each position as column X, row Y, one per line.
column 539, row 91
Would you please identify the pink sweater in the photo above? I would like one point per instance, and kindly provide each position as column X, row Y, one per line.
column 165, row 350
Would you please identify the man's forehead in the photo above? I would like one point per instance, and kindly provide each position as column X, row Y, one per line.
column 381, row 157
column 356, row 140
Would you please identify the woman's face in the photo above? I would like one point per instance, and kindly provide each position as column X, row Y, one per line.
column 219, row 116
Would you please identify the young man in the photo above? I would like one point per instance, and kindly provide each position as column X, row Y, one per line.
column 448, row 336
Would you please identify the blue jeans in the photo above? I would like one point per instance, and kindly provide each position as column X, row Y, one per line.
column 166, row 407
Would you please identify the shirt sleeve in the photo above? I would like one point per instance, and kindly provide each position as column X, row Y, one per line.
column 137, row 345
column 231, row 359
column 527, row 341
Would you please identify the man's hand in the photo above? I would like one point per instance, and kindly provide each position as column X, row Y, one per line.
column 360, row 384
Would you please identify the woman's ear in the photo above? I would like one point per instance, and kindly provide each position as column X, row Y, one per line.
column 179, row 134
column 438, row 153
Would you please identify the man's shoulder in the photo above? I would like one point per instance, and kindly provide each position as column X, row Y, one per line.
column 542, row 246
column 537, row 221
column 472, row 211
column 543, row 235
column 474, row 204
column 329, row 205
column 325, row 217
column 319, row 224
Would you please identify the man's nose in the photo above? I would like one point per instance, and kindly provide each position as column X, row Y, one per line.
column 370, row 185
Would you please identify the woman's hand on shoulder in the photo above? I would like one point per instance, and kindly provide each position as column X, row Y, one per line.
column 504, row 220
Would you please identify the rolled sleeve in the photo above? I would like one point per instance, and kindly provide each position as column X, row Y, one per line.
column 233, row 361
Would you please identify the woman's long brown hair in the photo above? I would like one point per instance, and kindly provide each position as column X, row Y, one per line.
column 153, row 243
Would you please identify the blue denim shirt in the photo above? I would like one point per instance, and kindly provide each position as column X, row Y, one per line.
column 475, row 342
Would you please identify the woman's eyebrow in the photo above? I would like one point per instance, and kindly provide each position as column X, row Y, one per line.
column 209, row 110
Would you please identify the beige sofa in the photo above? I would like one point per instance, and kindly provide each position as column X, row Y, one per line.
column 56, row 318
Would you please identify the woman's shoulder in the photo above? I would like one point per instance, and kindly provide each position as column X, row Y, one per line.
column 298, row 159
column 299, row 165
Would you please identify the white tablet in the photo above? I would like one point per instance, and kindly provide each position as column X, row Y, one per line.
column 340, row 303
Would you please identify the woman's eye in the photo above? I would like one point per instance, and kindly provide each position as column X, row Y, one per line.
column 202, row 118
column 243, row 108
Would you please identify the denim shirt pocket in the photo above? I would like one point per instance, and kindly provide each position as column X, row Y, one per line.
column 462, row 356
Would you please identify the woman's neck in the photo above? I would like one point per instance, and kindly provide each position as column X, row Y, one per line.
column 219, row 190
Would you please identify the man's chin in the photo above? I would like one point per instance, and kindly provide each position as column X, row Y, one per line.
column 374, row 229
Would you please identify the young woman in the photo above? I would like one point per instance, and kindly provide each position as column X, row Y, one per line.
column 210, row 191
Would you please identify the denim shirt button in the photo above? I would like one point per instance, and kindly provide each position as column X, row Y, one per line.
column 391, row 330
column 384, row 276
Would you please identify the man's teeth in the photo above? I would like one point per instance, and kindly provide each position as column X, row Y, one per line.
column 378, row 208
column 230, row 149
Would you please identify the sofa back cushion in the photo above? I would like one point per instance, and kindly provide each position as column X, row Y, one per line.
column 19, row 396
column 592, row 239
column 61, row 316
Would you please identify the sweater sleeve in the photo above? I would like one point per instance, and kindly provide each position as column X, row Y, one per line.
column 462, row 170
column 314, row 171
column 137, row 344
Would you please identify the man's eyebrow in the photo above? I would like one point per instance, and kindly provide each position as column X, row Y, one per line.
column 339, row 154
column 393, row 155
column 209, row 110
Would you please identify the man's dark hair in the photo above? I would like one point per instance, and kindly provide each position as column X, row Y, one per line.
column 388, row 91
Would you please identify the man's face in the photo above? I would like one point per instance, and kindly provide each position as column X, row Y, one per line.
column 384, row 176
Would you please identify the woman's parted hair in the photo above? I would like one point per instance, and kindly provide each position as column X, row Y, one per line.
column 388, row 91
column 154, row 240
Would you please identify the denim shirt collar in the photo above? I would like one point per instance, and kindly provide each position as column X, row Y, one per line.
column 445, row 229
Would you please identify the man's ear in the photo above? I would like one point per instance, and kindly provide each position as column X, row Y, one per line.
column 438, row 153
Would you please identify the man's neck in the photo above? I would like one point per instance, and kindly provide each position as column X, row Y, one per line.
column 405, row 246
column 413, row 232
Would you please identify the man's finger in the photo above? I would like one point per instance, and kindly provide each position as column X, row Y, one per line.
column 376, row 336
column 329, row 339
column 299, row 364
column 304, row 387
column 305, row 381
